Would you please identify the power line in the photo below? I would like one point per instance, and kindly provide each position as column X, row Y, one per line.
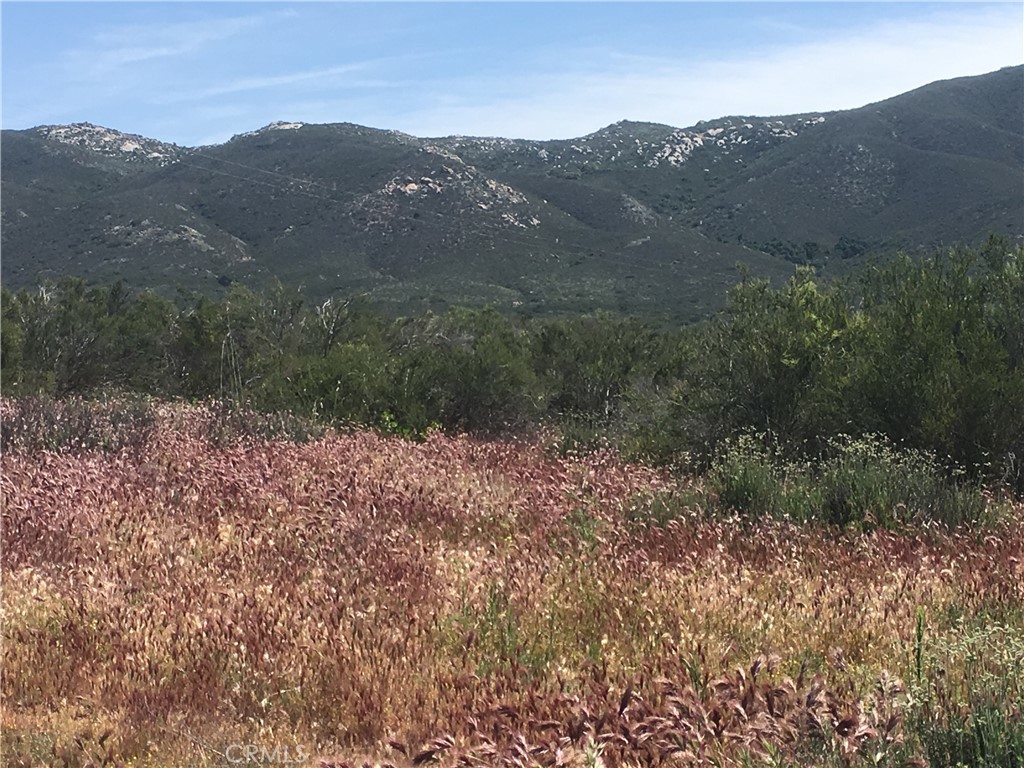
column 308, row 182
column 262, row 183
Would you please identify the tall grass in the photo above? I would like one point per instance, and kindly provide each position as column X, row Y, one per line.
column 31, row 424
column 477, row 603
column 969, row 698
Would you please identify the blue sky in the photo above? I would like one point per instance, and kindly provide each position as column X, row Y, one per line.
column 197, row 73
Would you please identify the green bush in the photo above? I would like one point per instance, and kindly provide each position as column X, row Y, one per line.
column 868, row 482
column 926, row 351
column 969, row 698
column 865, row 482
column 750, row 477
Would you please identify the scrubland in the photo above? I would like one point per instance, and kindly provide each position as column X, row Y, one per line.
column 177, row 583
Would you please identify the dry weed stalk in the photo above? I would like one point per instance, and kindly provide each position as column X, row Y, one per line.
column 452, row 601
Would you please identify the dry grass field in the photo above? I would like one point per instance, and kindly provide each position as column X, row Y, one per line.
column 181, row 593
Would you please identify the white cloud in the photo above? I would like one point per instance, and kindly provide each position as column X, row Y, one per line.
column 843, row 72
column 115, row 48
column 194, row 80
column 321, row 77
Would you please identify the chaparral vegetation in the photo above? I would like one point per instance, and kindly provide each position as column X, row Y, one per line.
column 789, row 536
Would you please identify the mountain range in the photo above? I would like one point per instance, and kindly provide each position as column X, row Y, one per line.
column 637, row 217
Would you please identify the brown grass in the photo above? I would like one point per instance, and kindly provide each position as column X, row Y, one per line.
column 475, row 603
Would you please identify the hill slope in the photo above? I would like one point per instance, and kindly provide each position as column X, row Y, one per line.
column 636, row 216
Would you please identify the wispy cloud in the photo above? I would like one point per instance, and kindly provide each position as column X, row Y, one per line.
column 320, row 77
column 840, row 72
column 214, row 71
column 122, row 46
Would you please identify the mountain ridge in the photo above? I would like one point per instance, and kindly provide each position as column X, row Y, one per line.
column 634, row 216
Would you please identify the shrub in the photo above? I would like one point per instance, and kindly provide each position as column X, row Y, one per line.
column 970, row 697
column 230, row 422
column 750, row 476
column 868, row 481
column 863, row 482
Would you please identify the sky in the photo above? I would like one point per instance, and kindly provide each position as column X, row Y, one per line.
column 197, row 73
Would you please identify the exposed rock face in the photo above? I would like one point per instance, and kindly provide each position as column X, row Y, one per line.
column 279, row 125
column 461, row 188
column 127, row 147
column 639, row 145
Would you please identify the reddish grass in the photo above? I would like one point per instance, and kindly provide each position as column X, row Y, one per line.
column 469, row 602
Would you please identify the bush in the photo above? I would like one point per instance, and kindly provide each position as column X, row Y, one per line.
column 864, row 482
column 750, row 476
column 868, row 482
column 969, row 697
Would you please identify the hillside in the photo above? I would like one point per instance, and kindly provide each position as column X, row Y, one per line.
column 634, row 217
